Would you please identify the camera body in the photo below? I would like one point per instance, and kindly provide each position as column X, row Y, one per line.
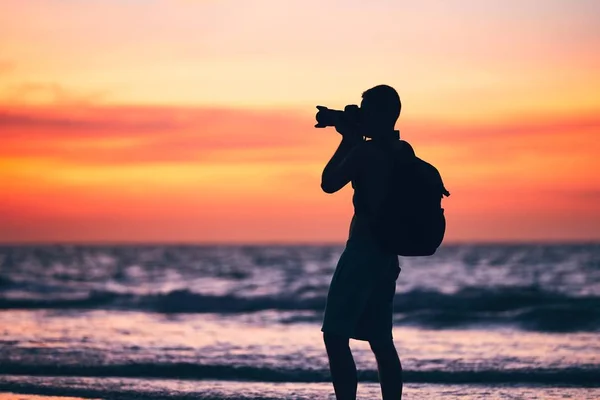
column 350, row 117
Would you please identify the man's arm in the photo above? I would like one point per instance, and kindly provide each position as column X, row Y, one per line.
column 343, row 165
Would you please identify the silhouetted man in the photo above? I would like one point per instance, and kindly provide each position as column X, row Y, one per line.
column 360, row 298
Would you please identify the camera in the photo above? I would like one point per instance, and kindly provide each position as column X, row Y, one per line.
column 329, row 117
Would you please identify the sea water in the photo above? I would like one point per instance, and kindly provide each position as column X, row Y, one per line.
column 243, row 321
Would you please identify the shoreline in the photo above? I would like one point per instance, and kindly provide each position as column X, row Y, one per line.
column 73, row 388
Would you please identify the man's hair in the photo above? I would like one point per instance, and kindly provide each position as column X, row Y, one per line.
column 386, row 101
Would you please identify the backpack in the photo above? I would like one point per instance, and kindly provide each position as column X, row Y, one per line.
column 411, row 221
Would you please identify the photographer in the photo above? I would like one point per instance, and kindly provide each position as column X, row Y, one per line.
column 360, row 298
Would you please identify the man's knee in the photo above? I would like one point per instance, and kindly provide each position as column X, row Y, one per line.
column 334, row 341
column 382, row 346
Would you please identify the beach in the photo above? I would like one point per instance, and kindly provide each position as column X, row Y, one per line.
column 159, row 389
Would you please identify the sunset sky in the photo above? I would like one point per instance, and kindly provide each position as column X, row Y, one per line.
column 192, row 120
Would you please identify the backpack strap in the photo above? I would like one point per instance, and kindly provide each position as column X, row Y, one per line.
column 389, row 147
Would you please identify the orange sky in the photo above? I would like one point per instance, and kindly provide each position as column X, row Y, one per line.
column 192, row 121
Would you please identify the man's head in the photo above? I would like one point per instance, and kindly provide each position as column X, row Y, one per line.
column 379, row 109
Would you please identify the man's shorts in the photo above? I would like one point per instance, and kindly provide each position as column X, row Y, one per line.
column 361, row 294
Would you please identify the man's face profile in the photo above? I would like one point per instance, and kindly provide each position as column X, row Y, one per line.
column 368, row 118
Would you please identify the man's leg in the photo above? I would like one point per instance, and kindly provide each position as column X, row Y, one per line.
column 389, row 367
column 341, row 365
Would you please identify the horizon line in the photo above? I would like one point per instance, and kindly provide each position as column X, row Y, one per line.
column 477, row 242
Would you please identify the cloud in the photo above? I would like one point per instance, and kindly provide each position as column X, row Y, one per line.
column 530, row 126
column 145, row 134
column 592, row 194
column 7, row 66
column 155, row 134
column 50, row 93
column 34, row 122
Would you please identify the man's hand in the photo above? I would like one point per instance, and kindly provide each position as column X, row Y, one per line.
column 348, row 126
column 343, row 166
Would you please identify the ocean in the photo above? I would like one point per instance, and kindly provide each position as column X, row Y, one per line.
column 495, row 321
